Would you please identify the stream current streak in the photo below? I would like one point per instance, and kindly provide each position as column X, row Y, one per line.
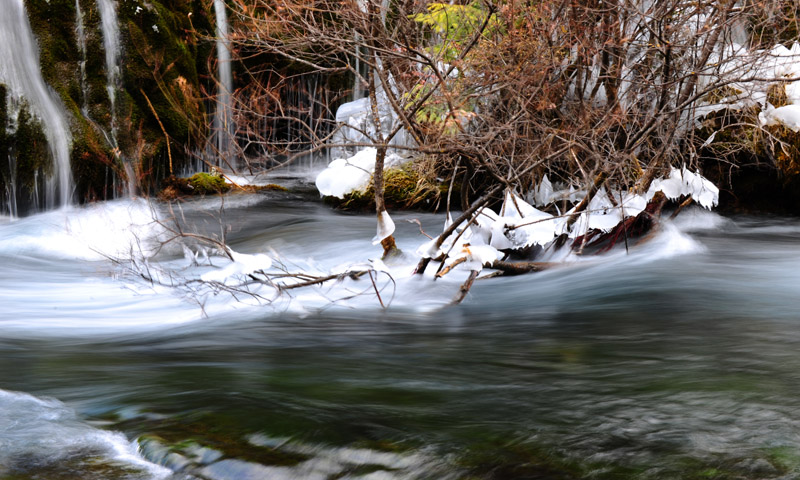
column 678, row 361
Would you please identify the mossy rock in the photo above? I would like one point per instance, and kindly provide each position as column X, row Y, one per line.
column 404, row 188
column 201, row 183
column 272, row 187
column 207, row 183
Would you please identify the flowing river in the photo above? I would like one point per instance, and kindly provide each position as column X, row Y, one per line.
column 678, row 360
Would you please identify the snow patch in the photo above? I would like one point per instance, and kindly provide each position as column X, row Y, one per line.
column 346, row 175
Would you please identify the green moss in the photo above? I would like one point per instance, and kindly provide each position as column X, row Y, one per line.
column 163, row 65
column 179, row 436
column 264, row 188
column 784, row 457
column 92, row 167
column 404, row 188
column 206, row 183
column 198, row 184
column 53, row 23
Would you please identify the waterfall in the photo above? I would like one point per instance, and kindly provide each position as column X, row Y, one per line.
column 80, row 33
column 110, row 26
column 111, row 44
column 11, row 188
column 19, row 70
column 223, row 117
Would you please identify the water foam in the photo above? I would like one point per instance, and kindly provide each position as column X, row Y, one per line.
column 94, row 232
column 44, row 431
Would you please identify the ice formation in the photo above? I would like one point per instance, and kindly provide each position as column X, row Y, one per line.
column 682, row 182
column 476, row 256
column 520, row 225
column 385, row 227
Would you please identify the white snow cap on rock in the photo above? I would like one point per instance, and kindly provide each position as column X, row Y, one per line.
column 346, row 175
column 787, row 115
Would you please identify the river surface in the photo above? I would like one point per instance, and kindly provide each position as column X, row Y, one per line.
column 680, row 359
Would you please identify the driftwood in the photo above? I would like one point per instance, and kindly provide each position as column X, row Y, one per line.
column 598, row 182
column 441, row 273
column 504, row 268
column 632, row 227
column 462, row 292
column 639, row 227
column 519, row 268
column 467, row 215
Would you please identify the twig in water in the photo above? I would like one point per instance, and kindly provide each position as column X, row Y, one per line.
column 462, row 292
column 377, row 293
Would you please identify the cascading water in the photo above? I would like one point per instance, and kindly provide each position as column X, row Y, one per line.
column 19, row 70
column 80, row 33
column 223, row 117
column 110, row 26
column 111, row 44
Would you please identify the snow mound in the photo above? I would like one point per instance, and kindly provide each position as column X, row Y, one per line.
column 346, row 175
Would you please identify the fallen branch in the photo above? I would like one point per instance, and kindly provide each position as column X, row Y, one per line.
column 638, row 226
column 453, row 265
column 423, row 263
column 462, row 292
column 519, row 268
column 683, row 205
column 598, row 182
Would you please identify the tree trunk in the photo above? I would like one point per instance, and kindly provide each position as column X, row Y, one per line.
column 388, row 243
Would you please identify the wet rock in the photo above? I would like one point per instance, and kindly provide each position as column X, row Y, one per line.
column 241, row 470
column 756, row 466
column 156, row 452
column 202, row 455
